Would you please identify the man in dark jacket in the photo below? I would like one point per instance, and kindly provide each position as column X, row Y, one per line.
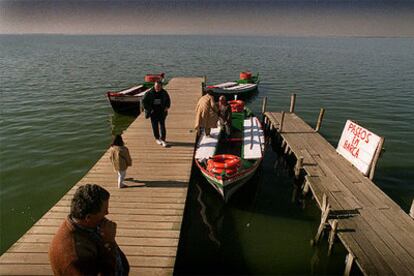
column 85, row 242
column 156, row 104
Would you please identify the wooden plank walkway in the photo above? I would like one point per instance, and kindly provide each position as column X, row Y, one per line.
column 149, row 212
column 377, row 233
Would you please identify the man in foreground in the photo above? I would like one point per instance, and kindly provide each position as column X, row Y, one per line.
column 85, row 242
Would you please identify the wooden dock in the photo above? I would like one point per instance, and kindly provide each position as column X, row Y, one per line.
column 377, row 233
column 149, row 212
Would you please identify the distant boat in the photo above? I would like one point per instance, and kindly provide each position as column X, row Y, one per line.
column 242, row 87
column 229, row 162
column 128, row 100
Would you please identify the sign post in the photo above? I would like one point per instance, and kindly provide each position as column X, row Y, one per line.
column 359, row 146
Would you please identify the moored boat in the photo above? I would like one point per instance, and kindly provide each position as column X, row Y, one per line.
column 128, row 100
column 242, row 87
column 228, row 162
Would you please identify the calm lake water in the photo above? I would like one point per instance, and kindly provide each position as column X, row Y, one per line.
column 56, row 123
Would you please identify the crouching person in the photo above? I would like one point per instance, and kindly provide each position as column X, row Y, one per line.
column 224, row 115
column 85, row 242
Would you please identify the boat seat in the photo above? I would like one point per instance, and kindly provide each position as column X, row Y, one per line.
column 253, row 139
column 206, row 147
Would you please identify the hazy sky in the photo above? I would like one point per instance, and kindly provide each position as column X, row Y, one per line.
column 260, row 17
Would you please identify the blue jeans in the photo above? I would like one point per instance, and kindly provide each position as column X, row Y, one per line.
column 158, row 124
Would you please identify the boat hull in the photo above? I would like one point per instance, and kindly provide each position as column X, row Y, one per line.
column 125, row 104
column 228, row 186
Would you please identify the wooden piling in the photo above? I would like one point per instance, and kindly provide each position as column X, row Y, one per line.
column 324, row 217
column 281, row 122
column 376, row 157
column 348, row 265
column 306, row 188
column 264, row 104
column 412, row 210
column 292, row 103
column 318, row 124
column 332, row 235
column 298, row 166
column 204, row 85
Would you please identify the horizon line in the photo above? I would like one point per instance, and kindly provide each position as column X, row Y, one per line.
column 206, row 34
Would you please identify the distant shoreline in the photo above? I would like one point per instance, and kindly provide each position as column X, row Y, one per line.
column 208, row 35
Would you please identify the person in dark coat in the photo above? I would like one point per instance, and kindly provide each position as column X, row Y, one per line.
column 156, row 103
column 85, row 242
column 224, row 115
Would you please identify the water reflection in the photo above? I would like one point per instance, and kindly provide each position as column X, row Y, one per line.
column 120, row 122
column 210, row 243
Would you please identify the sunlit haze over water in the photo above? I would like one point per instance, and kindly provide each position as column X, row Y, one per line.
column 256, row 17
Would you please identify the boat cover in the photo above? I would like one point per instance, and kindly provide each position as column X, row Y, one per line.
column 207, row 145
column 226, row 84
column 253, row 139
column 242, row 86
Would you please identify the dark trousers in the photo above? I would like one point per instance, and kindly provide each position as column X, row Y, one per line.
column 158, row 124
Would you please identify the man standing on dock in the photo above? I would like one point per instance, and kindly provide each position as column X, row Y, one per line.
column 85, row 242
column 156, row 104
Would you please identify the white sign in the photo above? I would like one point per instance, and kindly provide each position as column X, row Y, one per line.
column 358, row 146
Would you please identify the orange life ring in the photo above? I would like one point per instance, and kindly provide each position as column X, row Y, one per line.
column 211, row 167
column 220, row 171
column 236, row 105
column 223, row 161
column 245, row 75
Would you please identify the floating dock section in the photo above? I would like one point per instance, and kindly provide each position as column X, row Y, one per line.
column 376, row 232
column 149, row 212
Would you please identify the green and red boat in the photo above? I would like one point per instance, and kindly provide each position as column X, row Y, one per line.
column 228, row 162
column 244, row 86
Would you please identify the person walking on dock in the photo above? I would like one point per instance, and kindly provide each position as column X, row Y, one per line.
column 85, row 242
column 224, row 115
column 156, row 104
column 206, row 113
column 120, row 158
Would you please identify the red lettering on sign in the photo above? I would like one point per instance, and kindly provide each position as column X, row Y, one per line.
column 359, row 132
column 367, row 140
column 351, row 127
column 353, row 149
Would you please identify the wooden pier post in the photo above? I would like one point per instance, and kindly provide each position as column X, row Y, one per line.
column 297, row 170
column 325, row 208
column 264, row 110
column 204, row 85
column 281, row 122
column 349, row 262
column 318, row 124
column 305, row 191
column 264, row 105
column 292, row 103
column 412, row 210
column 298, row 166
column 376, row 157
column 332, row 235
